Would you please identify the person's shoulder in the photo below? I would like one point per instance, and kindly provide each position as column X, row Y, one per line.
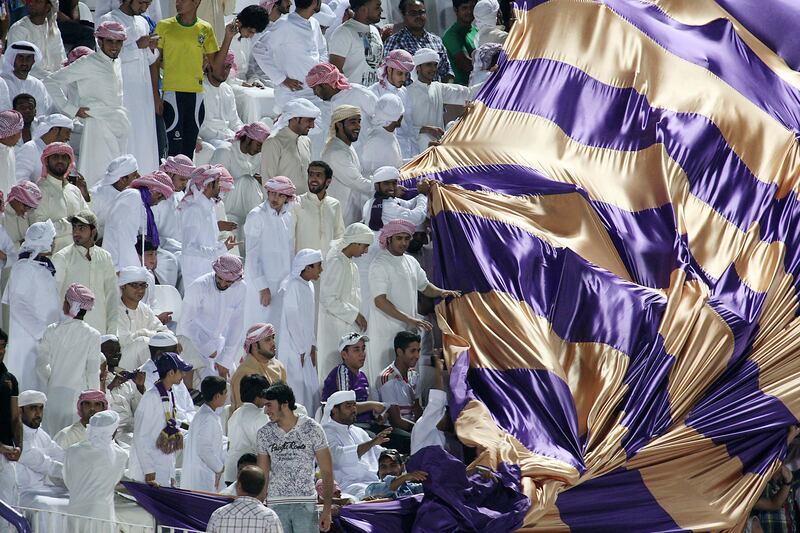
column 386, row 375
column 166, row 23
column 435, row 38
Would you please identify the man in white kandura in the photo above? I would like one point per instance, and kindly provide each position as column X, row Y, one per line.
column 204, row 456
column 120, row 173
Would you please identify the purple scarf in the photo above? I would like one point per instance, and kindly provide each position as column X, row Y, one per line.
column 152, row 229
column 376, row 213
column 42, row 260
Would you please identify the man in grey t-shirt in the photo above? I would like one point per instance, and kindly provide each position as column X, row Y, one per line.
column 287, row 448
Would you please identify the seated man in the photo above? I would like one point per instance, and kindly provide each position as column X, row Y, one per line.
column 259, row 345
column 399, row 383
column 23, row 198
column 137, row 323
column 355, row 454
column 246, row 459
column 348, row 376
column 244, row 423
column 28, row 157
column 221, row 120
column 123, row 389
column 40, row 29
column 247, row 508
column 395, row 481
column 90, row 402
column 162, row 269
column 41, row 457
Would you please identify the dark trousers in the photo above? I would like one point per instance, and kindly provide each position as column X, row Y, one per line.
column 161, row 137
column 183, row 115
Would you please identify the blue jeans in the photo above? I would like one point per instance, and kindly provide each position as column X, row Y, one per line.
column 297, row 517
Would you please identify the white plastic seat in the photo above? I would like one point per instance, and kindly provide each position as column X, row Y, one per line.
column 168, row 299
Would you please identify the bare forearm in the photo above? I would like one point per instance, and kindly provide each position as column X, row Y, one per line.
column 432, row 291
column 383, row 303
column 17, row 422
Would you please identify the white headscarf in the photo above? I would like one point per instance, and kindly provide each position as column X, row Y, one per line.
column 39, row 238
column 31, row 397
column 356, row 233
column 16, row 49
column 119, row 167
column 296, row 108
column 389, row 109
column 386, row 173
column 45, row 124
column 426, row 55
column 335, row 399
column 301, row 260
column 100, row 431
column 325, row 16
column 485, row 12
column 132, row 274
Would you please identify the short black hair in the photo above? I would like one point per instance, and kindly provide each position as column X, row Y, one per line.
column 281, row 393
column 392, row 454
column 22, row 96
column 254, row 16
column 355, row 5
column 211, row 386
column 160, row 350
column 246, row 459
column 459, row 3
column 302, row 4
column 3, row 335
column 403, row 339
column 324, row 166
column 80, row 314
column 251, row 480
column 148, row 245
column 252, row 386
column 404, row 4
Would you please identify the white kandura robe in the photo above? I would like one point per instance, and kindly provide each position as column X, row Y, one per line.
column 135, row 327
column 138, row 89
column 296, row 336
column 28, row 160
column 247, row 192
column 68, row 362
column 287, row 154
column 105, row 132
column 91, row 475
column 425, row 106
column 349, row 184
column 292, row 47
column 339, row 303
column 203, row 454
column 406, row 138
column 41, row 458
column 221, row 120
column 353, row 473
column 5, row 95
column 199, row 231
column 318, row 222
column 32, row 297
column 60, row 201
column 32, row 86
column 243, row 426
column 8, row 168
column 381, row 148
column 425, row 432
column 166, row 215
column 72, row 434
column 129, row 220
column 399, row 278
column 214, row 321
column 269, row 241
column 146, row 458
column 46, row 37
column 124, row 398
column 102, row 198
column 98, row 275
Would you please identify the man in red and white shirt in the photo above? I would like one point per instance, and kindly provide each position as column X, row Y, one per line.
column 398, row 385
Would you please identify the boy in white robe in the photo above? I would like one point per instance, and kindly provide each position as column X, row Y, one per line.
column 211, row 329
column 40, row 28
column 156, row 436
column 137, row 323
column 106, row 122
column 133, row 215
column 425, row 99
column 340, row 295
column 199, row 224
column 41, row 457
column 244, row 423
column 92, row 470
column 394, row 279
column 138, row 53
column 179, row 168
column 89, row 402
column 269, row 239
column 296, row 336
column 68, row 359
column 120, row 173
column 31, row 281
column 90, row 265
column 203, row 457
column 161, row 343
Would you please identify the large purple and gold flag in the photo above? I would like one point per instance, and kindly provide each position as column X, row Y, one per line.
column 620, row 208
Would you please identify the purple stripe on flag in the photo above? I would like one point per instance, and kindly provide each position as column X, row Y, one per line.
column 735, row 413
column 716, row 47
column 596, row 114
column 618, row 497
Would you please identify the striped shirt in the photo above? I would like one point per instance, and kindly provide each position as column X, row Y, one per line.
column 244, row 515
column 394, row 389
column 342, row 378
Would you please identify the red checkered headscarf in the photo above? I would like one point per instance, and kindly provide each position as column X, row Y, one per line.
column 27, row 193
column 79, row 297
column 327, row 73
column 257, row 332
column 394, row 227
column 228, row 267
column 53, row 149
